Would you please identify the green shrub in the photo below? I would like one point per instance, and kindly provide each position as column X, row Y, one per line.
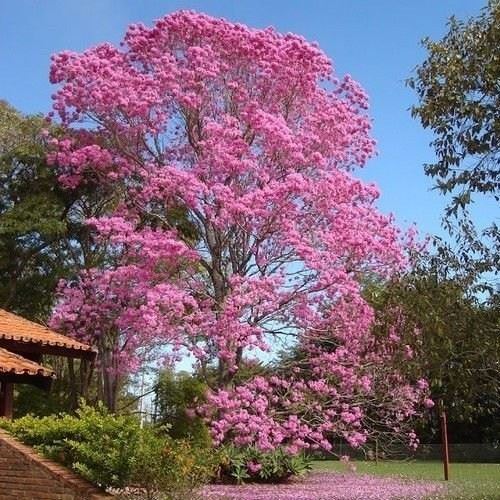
column 249, row 464
column 115, row 452
column 94, row 443
column 173, row 467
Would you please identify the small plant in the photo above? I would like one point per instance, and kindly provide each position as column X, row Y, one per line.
column 250, row 464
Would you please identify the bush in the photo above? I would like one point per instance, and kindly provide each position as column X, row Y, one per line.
column 94, row 443
column 173, row 467
column 249, row 464
column 114, row 452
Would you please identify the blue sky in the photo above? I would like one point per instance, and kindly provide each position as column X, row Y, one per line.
column 376, row 41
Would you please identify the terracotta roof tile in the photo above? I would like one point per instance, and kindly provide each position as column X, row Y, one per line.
column 20, row 330
column 13, row 363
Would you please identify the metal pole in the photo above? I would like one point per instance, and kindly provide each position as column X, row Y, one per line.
column 444, row 438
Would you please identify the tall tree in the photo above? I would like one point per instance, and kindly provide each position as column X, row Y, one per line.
column 253, row 136
column 459, row 101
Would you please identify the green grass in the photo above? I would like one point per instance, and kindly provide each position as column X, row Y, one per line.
column 467, row 481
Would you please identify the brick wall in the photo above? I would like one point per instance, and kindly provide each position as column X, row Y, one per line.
column 24, row 474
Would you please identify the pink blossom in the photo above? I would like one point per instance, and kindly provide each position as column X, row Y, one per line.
column 254, row 467
column 331, row 486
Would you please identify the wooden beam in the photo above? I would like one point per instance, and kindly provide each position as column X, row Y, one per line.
column 27, row 348
column 44, row 383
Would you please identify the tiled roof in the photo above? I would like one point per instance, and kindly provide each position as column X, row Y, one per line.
column 20, row 330
column 17, row 365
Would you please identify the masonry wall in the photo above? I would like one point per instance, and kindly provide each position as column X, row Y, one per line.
column 24, row 474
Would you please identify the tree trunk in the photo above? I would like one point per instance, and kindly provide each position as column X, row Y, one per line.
column 73, row 386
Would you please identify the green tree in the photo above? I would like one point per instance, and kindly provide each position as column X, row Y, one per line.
column 42, row 240
column 175, row 395
column 459, row 101
column 456, row 346
column 42, row 234
column 32, row 214
column 458, row 93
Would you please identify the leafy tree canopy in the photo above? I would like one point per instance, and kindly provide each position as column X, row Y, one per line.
column 42, row 232
column 457, row 347
column 458, row 100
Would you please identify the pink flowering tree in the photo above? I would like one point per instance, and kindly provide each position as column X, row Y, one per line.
column 254, row 138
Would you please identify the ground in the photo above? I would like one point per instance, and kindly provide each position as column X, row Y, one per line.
column 467, row 481
column 331, row 480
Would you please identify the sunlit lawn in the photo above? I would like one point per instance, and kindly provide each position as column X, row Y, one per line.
column 467, row 481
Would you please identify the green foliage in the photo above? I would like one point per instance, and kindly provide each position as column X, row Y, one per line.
column 176, row 394
column 114, row 451
column 458, row 92
column 31, row 216
column 43, row 237
column 96, row 444
column 250, row 464
column 38, row 402
column 62, row 396
column 170, row 467
column 458, row 100
column 457, row 348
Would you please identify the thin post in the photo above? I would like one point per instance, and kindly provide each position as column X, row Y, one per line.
column 376, row 451
column 444, row 439
column 141, row 403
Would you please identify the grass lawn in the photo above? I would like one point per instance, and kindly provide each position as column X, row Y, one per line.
column 467, row 481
